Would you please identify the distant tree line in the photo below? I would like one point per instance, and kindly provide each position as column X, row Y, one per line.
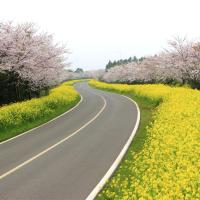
column 79, row 70
column 79, row 73
column 123, row 61
column 179, row 64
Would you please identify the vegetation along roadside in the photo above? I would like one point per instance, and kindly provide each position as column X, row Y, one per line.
column 162, row 162
column 19, row 117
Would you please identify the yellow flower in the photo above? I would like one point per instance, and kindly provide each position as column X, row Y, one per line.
column 168, row 166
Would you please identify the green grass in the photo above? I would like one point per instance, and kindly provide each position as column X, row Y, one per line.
column 147, row 108
column 19, row 117
column 9, row 133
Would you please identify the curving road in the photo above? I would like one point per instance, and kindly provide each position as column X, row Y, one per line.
column 66, row 158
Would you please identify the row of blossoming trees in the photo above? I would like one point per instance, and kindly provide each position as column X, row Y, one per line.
column 30, row 62
column 180, row 63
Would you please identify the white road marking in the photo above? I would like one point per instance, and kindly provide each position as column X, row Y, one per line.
column 44, row 123
column 55, row 145
column 116, row 163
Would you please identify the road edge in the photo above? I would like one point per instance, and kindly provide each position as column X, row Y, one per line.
column 119, row 158
column 56, row 144
column 21, row 134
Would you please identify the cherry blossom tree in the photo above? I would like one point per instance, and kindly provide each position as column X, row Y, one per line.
column 185, row 57
column 30, row 56
column 90, row 74
column 95, row 74
column 179, row 63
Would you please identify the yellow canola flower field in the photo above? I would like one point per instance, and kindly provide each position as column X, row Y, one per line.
column 168, row 166
column 59, row 99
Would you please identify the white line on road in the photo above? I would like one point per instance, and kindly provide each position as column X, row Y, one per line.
column 116, row 163
column 55, row 145
column 44, row 123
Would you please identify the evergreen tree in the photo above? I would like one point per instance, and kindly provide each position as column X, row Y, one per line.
column 79, row 70
column 122, row 61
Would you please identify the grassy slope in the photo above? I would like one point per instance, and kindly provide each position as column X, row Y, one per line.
column 9, row 133
column 29, row 125
column 147, row 107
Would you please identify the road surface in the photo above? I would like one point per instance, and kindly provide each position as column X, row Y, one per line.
column 66, row 158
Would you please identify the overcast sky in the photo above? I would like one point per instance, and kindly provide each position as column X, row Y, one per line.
column 98, row 30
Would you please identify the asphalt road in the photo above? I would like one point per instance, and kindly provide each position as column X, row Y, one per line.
column 66, row 158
